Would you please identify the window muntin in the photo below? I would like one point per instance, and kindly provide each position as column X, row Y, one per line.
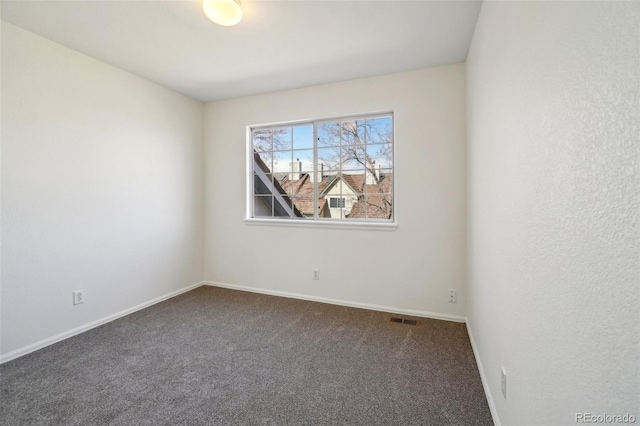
column 339, row 169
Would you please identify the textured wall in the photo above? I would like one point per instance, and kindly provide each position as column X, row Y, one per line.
column 410, row 268
column 101, row 189
column 553, row 125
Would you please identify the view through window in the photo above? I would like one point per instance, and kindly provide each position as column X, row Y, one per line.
column 340, row 169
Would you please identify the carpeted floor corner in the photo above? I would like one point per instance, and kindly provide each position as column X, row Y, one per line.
column 214, row 356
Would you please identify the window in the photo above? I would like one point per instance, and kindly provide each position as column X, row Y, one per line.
column 325, row 170
column 337, row 203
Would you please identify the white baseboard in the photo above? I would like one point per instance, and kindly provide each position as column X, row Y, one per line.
column 390, row 309
column 75, row 331
column 483, row 377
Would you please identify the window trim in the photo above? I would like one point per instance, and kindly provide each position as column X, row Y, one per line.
column 324, row 224
column 317, row 222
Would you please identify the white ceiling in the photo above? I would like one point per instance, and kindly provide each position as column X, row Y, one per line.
column 278, row 44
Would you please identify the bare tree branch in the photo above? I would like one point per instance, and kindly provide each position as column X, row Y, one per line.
column 265, row 141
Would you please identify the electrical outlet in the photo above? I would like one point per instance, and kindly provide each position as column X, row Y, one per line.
column 78, row 297
column 503, row 382
column 452, row 296
column 316, row 274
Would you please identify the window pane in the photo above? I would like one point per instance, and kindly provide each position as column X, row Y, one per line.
column 329, row 134
column 380, row 154
column 262, row 183
column 381, row 183
column 287, row 185
column 304, row 204
column 303, row 137
column 358, row 210
column 330, row 159
column 281, row 138
column 283, row 207
column 379, row 130
column 386, row 181
column 262, row 206
column 263, row 161
column 378, row 206
column 305, row 160
column 353, row 132
column 262, row 141
column 282, row 161
column 353, row 158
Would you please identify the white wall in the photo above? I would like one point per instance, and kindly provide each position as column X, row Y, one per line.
column 408, row 269
column 102, row 189
column 553, row 94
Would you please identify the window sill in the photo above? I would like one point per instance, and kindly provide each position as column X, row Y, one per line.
column 325, row 224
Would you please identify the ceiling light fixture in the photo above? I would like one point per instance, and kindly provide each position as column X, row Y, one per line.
column 223, row 12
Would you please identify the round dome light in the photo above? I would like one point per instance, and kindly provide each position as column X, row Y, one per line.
column 223, row 12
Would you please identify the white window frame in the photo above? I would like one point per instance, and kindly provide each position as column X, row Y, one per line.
column 315, row 221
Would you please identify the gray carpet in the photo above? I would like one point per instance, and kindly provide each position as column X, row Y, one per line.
column 222, row 357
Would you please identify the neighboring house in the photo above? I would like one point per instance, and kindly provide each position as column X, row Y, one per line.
column 340, row 195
